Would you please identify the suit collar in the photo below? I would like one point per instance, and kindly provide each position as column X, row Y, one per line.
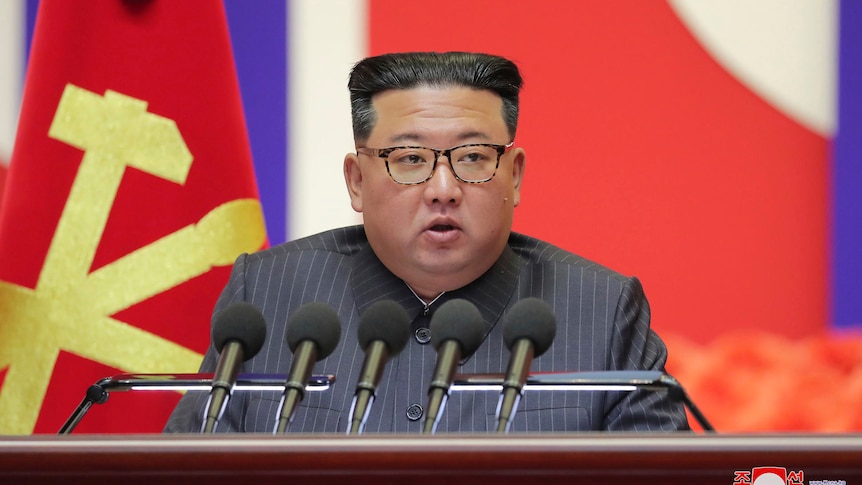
column 491, row 293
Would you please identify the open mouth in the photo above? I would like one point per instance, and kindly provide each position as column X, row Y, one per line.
column 441, row 228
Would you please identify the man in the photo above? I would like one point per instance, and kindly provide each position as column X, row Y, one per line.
column 437, row 175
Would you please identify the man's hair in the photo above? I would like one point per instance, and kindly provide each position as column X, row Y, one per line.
column 413, row 69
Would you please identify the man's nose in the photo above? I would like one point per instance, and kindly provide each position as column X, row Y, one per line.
column 443, row 186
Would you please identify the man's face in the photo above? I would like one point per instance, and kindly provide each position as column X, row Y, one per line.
column 442, row 234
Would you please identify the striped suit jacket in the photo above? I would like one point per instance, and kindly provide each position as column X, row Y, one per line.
column 602, row 324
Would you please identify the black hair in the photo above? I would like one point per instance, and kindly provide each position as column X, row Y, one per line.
column 436, row 69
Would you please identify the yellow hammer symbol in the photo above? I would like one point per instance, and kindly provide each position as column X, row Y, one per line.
column 70, row 309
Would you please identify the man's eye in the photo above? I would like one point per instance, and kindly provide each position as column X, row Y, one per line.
column 410, row 159
column 472, row 157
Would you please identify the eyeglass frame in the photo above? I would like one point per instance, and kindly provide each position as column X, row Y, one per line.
column 385, row 152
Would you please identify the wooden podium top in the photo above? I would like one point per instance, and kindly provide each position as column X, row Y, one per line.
column 596, row 458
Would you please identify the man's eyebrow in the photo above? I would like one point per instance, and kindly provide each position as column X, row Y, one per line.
column 472, row 135
column 406, row 138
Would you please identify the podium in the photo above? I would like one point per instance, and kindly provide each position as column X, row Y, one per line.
column 594, row 458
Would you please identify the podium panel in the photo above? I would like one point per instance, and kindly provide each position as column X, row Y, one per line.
column 600, row 458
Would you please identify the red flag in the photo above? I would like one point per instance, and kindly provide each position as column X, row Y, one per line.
column 130, row 192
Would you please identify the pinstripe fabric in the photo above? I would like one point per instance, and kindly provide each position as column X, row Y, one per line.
column 602, row 318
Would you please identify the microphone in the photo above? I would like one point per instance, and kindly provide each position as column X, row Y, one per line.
column 239, row 332
column 312, row 334
column 528, row 330
column 383, row 333
column 456, row 332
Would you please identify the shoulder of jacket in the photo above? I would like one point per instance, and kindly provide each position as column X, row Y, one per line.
column 539, row 252
column 345, row 241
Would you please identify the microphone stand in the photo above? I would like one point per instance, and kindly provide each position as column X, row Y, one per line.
column 589, row 381
column 98, row 392
column 550, row 381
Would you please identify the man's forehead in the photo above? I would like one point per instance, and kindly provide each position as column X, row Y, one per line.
column 410, row 113
column 419, row 137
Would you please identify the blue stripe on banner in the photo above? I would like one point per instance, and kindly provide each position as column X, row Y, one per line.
column 847, row 226
column 259, row 36
column 32, row 7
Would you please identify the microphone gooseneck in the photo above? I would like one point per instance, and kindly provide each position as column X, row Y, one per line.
column 456, row 333
column 312, row 334
column 383, row 332
column 238, row 332
column 528, row 331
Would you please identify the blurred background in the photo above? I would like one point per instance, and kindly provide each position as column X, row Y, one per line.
column 711, row 148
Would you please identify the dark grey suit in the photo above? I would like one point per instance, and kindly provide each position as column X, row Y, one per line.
column 602, row 324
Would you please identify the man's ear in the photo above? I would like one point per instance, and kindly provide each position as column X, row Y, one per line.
column 519, row 163
column 353, row 179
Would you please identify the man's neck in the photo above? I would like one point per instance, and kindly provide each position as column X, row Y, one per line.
column 426, row 301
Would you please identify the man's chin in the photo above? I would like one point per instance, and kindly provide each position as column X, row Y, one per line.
column 457, row 271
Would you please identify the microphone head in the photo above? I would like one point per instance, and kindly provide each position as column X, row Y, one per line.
column 317, row 322
column 387, row 321
column 242, row 322
column 457, row 320
column 533, row 319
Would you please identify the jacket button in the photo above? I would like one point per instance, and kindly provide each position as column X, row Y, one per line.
column 414, row 412
column 422, row 335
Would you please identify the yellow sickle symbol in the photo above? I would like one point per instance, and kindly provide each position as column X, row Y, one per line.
column 70, row 308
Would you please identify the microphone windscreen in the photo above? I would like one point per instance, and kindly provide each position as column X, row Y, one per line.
column 387, row 321
column 533, row 319
column 316, row 322
column 457, row 320
column 242, row 322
